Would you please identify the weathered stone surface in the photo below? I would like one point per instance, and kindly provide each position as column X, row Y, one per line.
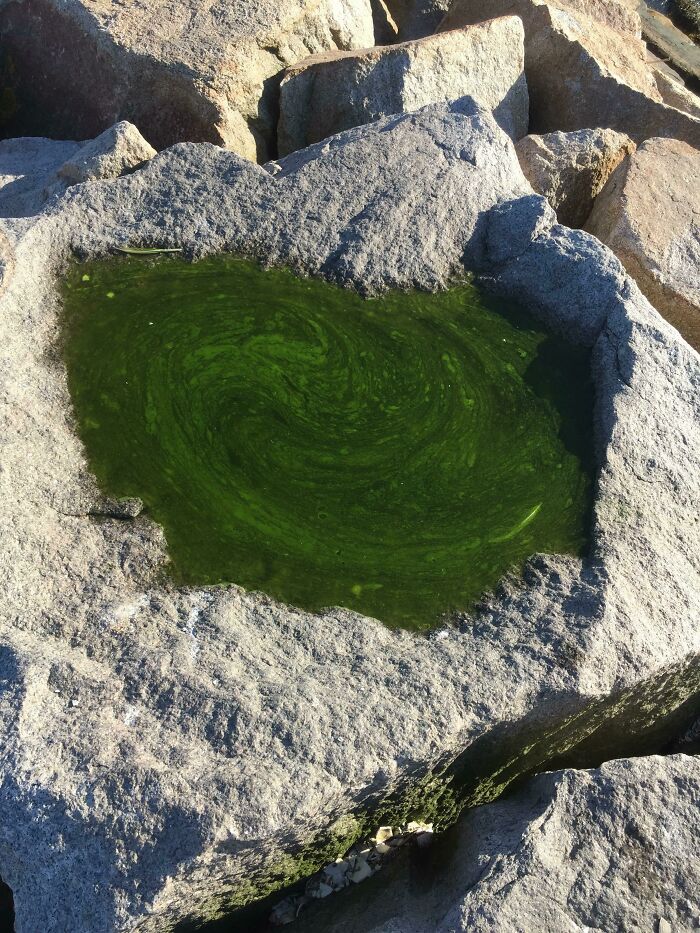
column 417, row 18
column 7, row 261
column 585, row 66
column 159, row 747
column 118, row 149
column 28, row 167
column 675, row 93
column 570, row 169
column 674, row 45
column 181, row 70
column 34, row 169
column 329, row 93
column 616, row 848
column 649, row 215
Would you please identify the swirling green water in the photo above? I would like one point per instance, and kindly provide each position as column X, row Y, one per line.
column 394, row 456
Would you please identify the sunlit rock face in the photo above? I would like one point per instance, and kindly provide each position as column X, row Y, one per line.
column 180, row 71
column 586, row 66
column 571, row 169
column 485, row 60
column 648, row 213
column 164, row 748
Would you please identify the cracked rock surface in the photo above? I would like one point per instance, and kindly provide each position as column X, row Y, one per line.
column 160, row 748
column 615, row 848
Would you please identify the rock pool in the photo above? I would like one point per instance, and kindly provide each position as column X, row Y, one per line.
column 395, row 456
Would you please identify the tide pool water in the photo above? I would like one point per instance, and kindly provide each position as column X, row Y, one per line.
column 394, row 456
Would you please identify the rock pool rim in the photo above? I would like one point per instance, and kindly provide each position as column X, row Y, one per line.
column 475, row 318
column 599, row 307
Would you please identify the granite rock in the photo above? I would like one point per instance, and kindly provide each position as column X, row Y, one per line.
column 328, row 93
column 167, row 750
column 675, row 93
column 117, row 150
column 649, row 215
column 615, row 848
column 570, row 169
column 181, row 70
column 586, row 66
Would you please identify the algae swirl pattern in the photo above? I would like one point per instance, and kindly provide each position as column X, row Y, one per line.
column 394, row 456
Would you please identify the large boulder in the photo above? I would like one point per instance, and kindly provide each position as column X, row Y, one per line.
column 570, row 169
column 649, row 215
column 616, row 848
column 586, row 66
column 182, row 70
column 329, row 93
column 173, row 753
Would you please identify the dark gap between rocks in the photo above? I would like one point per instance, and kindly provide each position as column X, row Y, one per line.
column 385, row 32
column 7, row 909
column 264, row 126
column 691, row 81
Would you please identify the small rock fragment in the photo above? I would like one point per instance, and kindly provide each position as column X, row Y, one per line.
column 109, row 155
column 384, row 833
column 336, row 875
column 360, row 871
column 423, row 833
column 321, row 890
column 283, row 913
column 418, row 826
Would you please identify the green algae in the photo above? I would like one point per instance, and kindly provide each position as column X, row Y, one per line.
column 394, row 456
